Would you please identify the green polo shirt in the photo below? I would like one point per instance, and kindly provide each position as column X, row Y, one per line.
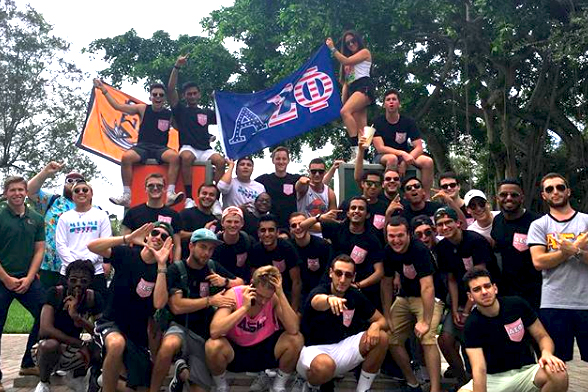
column 18, row 235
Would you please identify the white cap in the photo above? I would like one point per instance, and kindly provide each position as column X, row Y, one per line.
column 473, row 193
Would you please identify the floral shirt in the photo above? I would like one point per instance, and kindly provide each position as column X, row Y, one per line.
column 62, row 204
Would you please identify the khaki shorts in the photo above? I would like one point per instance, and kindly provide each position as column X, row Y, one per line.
column 405, row 312
column 517, row 380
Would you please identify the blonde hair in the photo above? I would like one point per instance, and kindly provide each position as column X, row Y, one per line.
column 263, row 274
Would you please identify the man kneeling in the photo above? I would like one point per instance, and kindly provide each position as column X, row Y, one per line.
column 64, row 317
column 247, row 337
column 333, row 325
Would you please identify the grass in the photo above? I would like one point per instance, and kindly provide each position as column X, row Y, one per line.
column 19, row 319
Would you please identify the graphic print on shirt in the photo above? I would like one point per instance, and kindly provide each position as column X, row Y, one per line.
column 280, row 265
column 252, row 326
column 313, row 264
column 379, row 221
column 515, row 330
column 409, row 271
column 247, row 193
column 83, row 227
column 348, row 316
column 468, row 263
column 358, row 254
column 202, row 119
column 204, row 289
column 163, row 125
column 241, row 258
column 165, row 219
column 519, row 242
column 553, row 237
column 144, row 289
column 288, row 189
column 400, row 137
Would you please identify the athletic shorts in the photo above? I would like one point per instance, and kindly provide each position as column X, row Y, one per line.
column 149, row 151
column 517, row 380
column 71, row 358
column 193, row 353
column 363, row 85
column 563, row 325
column 345, row 354
column 405, row 312
column 200, row 155
column 136, row 358
column 255, row 358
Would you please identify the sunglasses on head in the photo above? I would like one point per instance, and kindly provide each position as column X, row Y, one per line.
column 370, row 184
column 551, row 188
column 389, row 179
column 154, row 186
column 82, row 190
column 164, row 236
column 73, row 180
column 339, row 273
column 350, row 41
column 317, row 171
column 411, row 187
column 504, row 195
column 450, row 185
column 422, row 234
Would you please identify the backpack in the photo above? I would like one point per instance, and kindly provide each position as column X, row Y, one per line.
column 163, row 317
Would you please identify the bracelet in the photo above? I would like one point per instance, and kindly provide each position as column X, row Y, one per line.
column 162, row 270
column 318, row 217
column 125, row 239
column 333, row 49
column 328, row 297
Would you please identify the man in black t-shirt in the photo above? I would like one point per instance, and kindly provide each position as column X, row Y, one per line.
column 195, row 287
column 192, row 123
column 154, row 210
column 138, row 288
column 271, row 250
column 280, row 186
column 66, row 314
column 355, row 238
column 415, row 306
column 155, row 121
column 234, row 252
column 342, row 330
column 509, row 231
column 393, row 132
column 449, row 184
column 200, row 215
column 497, row 337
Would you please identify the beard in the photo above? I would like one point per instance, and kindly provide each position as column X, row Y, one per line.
column 565, row 200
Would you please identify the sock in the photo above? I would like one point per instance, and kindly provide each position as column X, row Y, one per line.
column 365, row 381
column 127, row 190
column 354, row 141
column 281, row 380
column 220, row 380
column 171, row 188
column 188, row 189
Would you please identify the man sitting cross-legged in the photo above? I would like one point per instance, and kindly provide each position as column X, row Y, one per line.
column 64, row 317
column 247, row 337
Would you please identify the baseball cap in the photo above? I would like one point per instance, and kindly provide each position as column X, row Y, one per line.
column 165, row 226
column 445, row 211
column 473, row 193
column 204, row 235
column 232, row 210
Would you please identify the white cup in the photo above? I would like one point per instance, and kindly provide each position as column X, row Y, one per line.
column 368, row 133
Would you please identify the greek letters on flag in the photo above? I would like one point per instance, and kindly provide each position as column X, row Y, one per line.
column 304, row 100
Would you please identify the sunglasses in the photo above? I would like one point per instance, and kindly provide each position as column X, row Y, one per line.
column 411, row 187
column 351, row 41
column 423, row 234
column 155, row 233
column 477, row 203
column 339, row 273
column 158, row 95
column 81, row 190
column 74, row 281
column 154, row 186
column 450, row 185
column 294, row 225
column 317, row 171
column 559, row 187
column 389, row 179
column 504, row 195
column 73, row 180
column 375, row 184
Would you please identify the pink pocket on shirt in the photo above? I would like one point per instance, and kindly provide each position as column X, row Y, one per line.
column 241, row 259
column 409, row 271
column 348, row 317
column 144, row 289
column 519, row 242
column 163, row 218
column 468, row 263
column 163, row 125
column 358, row 254
column 516, row 330
column 288, row 189
column 280, row 265
column 204, row 289
column 313, row 264
column 202, row 119
column 379, row 221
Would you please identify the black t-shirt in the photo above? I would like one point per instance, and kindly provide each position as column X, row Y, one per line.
column 61, row 319
column 250, row 224
column 283, row 194
column 377, row 219
column 428, row 210
column 504, row 339
column 154, row 128
column 141, row 214
column 198, row 321
column 235, row 257
column 193, row 124
column 284, row 257
column 193, row 219
column 397, row 135
column 458, row 259
column 327, row 328
column 511, row 243
column 130, row 301
column 315, row 259
column 414, row 264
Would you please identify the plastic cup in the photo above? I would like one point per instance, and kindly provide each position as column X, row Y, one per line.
column 368, row 133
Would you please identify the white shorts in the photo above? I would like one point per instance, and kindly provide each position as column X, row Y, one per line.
column 199, row 154
column 345, row 354
column 517, row 380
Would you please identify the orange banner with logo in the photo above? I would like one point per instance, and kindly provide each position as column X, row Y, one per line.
column 109, row 133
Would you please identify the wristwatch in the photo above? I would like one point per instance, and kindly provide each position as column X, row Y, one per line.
column 318, row 217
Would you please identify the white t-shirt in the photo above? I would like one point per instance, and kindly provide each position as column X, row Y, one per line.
column 238, row 193
column 484, row 231
column 74, row 231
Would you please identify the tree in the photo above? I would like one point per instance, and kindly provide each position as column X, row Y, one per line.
column 41, row 106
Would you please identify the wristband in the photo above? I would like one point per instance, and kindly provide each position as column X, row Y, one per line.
column 227, row 282
column 207, row 301
column 333, row 50
column 162, row 270
column 125, row 239
column 318, row 217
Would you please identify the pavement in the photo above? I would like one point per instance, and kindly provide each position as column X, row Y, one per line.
column 13, row 347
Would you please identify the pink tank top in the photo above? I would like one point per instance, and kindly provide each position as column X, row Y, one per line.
column 251, row 330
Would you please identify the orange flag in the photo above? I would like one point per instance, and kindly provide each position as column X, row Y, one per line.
column 109, row 133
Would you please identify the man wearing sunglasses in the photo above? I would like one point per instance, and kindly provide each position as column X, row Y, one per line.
column 155, row 121
column 313, row 196
column 138, row 288
column 559, row 248
column 479, row 209
column 76, row 228
column 509, row 231
column 334, row 327
column 199, row 216
column 449, row 184
column 51, row 206
column 154, row 210
column 391, row 186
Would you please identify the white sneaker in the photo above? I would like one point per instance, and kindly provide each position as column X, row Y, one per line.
column 261, row 383
column 174, row 198
column 76, row 384
column 43, row 387
column 189, row 203
column 124, row 200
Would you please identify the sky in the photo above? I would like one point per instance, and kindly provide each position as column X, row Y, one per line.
column 79, row 24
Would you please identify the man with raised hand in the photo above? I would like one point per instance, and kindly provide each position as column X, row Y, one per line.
column 200, row 215
column 449, row 184
column 240, row 190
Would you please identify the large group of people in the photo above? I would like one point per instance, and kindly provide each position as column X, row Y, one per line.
column 285, row 281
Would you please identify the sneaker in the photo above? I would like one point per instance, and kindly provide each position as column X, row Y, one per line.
column 76, row 384
column 29, row 371
column 189, row 203
column 95, row 374
column 298, row 384
column 174, row 198
column 60, row 373
column 261, row 383
column 176, row 384
column 310, row 388
column 449, row 373
column 124, row 200
column 43, row 387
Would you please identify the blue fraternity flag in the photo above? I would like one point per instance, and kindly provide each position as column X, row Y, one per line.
column 302, row 101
